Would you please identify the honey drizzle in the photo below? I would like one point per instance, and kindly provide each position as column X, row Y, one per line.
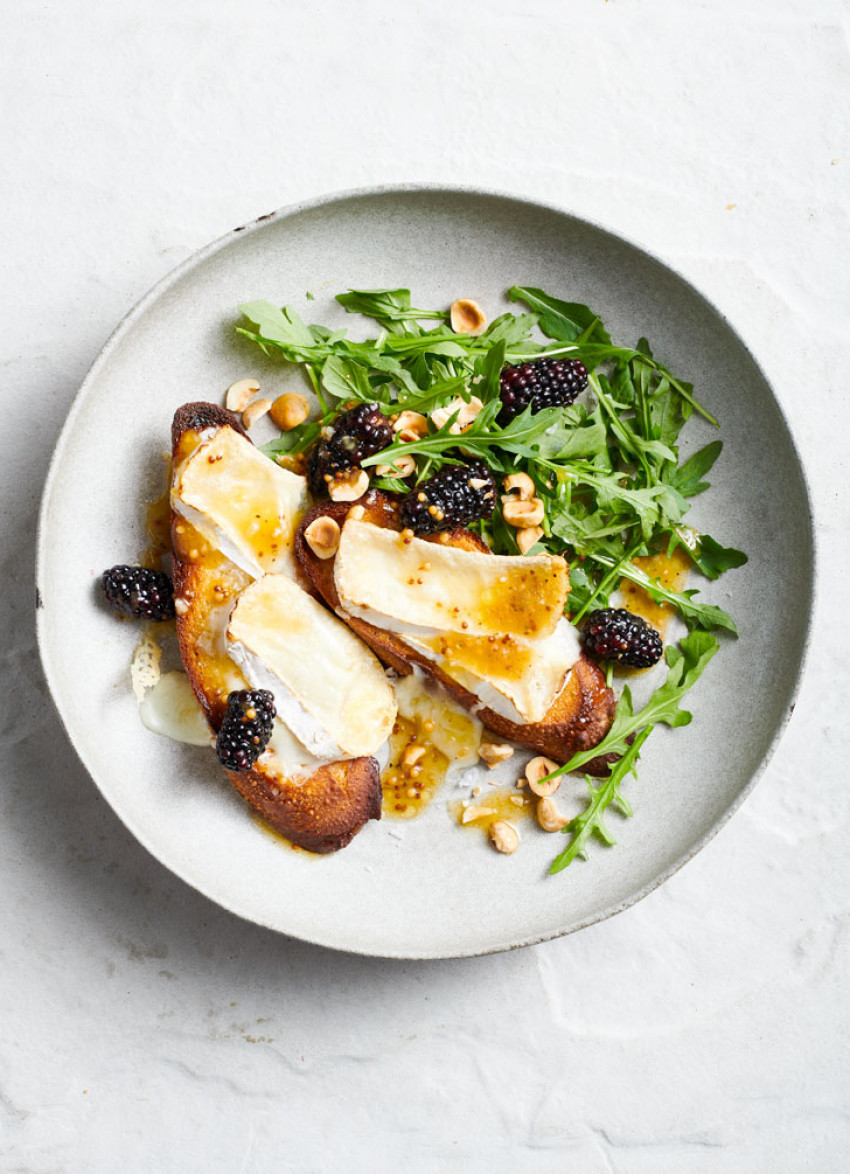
column 407, row 790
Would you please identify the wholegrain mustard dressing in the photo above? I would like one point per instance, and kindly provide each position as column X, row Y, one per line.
column 408, row 789
column 445, row 734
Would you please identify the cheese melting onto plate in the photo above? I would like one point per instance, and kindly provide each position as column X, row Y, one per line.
column 242, row 503
column 328, row 687
column 413, row 586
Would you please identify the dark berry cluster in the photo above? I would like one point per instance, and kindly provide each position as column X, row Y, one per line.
column 246, row 728
column 136, row 591
column 545, row 383
column 617, row 634
column 456, row 496
column 355, row 435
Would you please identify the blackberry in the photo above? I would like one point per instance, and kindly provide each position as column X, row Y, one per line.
column 246, row 728
column 616, row 634
column 355, row 435
column 136, row 591
column 323, row 463
column 360, row 433
column 545, row 383
column 455, row 496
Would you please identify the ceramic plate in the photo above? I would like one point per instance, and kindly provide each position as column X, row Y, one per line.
column 425, row 888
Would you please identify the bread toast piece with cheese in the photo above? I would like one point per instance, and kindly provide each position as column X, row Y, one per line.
column 320, row 810
column 577, row 720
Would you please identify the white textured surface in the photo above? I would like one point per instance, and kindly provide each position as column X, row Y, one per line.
column 144, row 1029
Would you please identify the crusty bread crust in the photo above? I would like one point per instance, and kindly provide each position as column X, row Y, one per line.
column 320, row 812
column 580, row 716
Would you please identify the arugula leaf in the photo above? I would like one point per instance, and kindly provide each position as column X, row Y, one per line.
column 711, row 558
column 511, row 329
column 487, row 371
column 280, row 326
column 601, row 797
column 387, row 306
column 565, row 440
column 564, row 321
column 345, row 379
column 687, row 479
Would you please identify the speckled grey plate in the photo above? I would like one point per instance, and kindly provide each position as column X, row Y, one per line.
column 428, row 888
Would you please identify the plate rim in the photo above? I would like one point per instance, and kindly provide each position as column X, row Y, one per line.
column 197, row 258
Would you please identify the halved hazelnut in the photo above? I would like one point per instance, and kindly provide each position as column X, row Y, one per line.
column 239, row 394
column 355, row 513
column 322, row 536
column 504, row 836
column 402, row 466
column 253, row 412
column 522, row 514
column 527, row 536
column 549, row 817
column 349, row 486
column 521, row 484
column 495, row 752
column 289, row 410
column 536, row 770
column 466, row 413
column 410, row 426
column 467, row 317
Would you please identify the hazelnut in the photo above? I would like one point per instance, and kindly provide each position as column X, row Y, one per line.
column 536, row 770
column 504, row 837
column 527, row 536
column 255, row 410
column 467, row 317
column 322, row 536
column 239, row 394
column 412, row 755
column 349, row 486
column 410, row 426
column 522, row 514
column 401, row 467
column 466, row 413
column 495, row 752
column 521, row 484
column 289, row 410
column 355, row 513
column 549, row 817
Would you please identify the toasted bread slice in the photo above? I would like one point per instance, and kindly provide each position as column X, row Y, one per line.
column 320, row 811
column 581, row 714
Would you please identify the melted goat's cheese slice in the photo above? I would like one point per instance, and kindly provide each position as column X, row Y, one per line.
column 243, row 504
column 328, row 687
column 407, row 585
column 518, row 679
